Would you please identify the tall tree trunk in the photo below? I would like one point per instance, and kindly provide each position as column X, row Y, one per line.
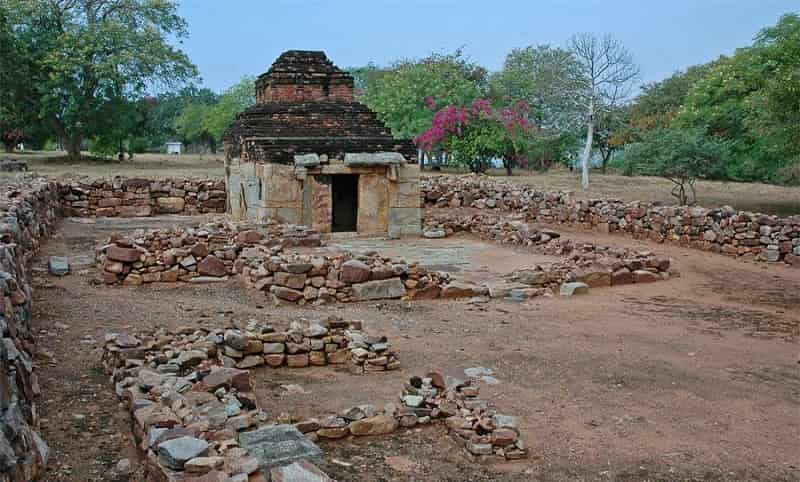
column 509, row 171
column 421, row 157
column 587, row 149
column 72, row 143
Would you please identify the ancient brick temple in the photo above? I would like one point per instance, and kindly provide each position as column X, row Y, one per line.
column 307, row 153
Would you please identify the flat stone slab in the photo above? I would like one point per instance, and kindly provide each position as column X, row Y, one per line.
column 379, row 289
column 58, row 266
column 278, row 445
column 373, row 158
column 298, row 472
column 575, row 288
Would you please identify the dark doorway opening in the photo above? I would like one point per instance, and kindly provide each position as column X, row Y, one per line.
column 345, row 203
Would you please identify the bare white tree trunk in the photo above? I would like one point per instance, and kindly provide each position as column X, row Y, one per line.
column 587, row 149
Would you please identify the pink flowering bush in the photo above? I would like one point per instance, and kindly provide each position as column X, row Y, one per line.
column 475, row 134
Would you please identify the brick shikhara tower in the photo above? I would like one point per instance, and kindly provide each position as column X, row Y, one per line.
column 308, row 153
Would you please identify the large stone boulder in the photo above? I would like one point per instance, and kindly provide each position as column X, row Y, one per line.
column 170, row 205
column 354, row 271
column 380, row 289
column 212, row 266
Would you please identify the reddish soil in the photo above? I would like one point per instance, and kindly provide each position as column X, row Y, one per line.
column 696, row 378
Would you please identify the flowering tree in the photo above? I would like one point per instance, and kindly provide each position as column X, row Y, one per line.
column 473, row 135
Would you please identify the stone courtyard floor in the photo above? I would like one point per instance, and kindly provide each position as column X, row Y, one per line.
column 695, row 378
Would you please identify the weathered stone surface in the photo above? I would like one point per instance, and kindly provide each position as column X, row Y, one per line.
column 125, row 255
column 301, row 471
column 574, row 288
column 463, row 290
column 643, row 276
column 373, row 158
column 170, row 205
column 58, row 266
column 377, row 425
column 278, row 445
column 212, row 266
column 381, row 289
column 290, row 280
column 284, row 293
column 176, row 452
column 354, row 271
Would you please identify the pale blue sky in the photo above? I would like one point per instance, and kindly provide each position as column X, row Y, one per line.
column 232, row 38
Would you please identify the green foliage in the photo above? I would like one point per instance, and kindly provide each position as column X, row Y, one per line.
column 680, row 155
column 406, row 96
column 204, row 123
column 167, row 107
column 660, row 102
column 362, row 76
column 546, row 78
column 751, row 99
column 85, row 56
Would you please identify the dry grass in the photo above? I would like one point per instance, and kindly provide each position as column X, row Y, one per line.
column 747, row 196
column 765, row 198
column 154, row 166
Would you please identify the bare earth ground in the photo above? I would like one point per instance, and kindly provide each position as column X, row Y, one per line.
column 696, row 378
column 766, row 198
column 152, row 166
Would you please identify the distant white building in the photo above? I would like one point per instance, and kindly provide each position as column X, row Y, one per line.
column 174, row 147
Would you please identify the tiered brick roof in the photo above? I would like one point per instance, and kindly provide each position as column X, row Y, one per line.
column 305, row 105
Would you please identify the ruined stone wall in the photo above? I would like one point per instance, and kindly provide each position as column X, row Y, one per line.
column 723, row 230
column 132, row 197
column 29, row 211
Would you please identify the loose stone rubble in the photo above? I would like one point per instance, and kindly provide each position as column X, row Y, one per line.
column 30, row 207
column 194, row 411
column 258, row 253
column 723, row 230
column 28, row 212
column 203, row 254
column 190, row 395
column 486, row 435
column 596, row 266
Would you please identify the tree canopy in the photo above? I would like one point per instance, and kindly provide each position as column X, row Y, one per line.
column 85, row 57
column 405, row 96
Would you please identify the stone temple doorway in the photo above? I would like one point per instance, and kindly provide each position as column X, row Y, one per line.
column 345, row 203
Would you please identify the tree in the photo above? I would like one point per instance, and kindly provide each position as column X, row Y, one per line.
column 549, row 80
column 407, row 95
column 659, row 103
column 89, row 54
column 750, row 98
column 362, row 77
column 610, row 133
column 682, row 156
column 475, row 134
column 162, row 118
column 233, row 101
column 204, row 123
column 608, row 72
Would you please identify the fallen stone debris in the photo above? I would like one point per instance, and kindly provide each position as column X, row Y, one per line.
column 722, row 230
column 485, row 435
column 203, row 254
column 588, row 263
column 259, row 255
column 190, row 395
column 194, row 411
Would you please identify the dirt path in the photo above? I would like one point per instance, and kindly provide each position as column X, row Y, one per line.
column 696, row 378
